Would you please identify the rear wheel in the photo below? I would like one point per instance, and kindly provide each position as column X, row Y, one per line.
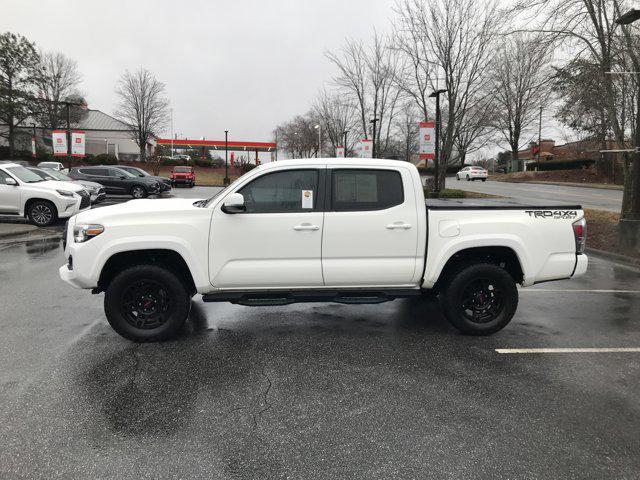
column 484, row 179
column 458, row 177
column 139, row 192
column 42, row 213
column 480, row 299
column 468, row 178
column 147, row 303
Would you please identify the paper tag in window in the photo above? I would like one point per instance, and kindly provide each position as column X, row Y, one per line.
column 307, row 198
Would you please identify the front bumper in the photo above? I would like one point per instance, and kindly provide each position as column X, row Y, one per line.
column 183, row 180
column 98, row 197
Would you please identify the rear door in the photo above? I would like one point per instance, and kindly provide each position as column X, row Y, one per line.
column 370, row 233
column 276, row 243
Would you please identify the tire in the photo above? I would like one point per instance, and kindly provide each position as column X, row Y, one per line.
column 139, row 191
column 468, row 179
column 42, row 213
column 457, row 177
column 484, row 179
column 192, row 184
column 167, row 303
column 479, row 299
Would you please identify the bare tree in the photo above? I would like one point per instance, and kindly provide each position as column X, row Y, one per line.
column 455, row 37
column 57, row 80
column 588, row 26
column 368, row 75
column 299, row 137
column 407, row 131
column 520, row 79
column 143, row 106
column 336, row 117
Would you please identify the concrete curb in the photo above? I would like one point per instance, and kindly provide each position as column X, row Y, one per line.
column 15, row 229
column 616, row 257
column 599, row 186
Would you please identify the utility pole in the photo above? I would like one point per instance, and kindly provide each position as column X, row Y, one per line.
column 69, row 135
column 374, row 120
column 436, row 164
column 539, row 137
column 226, row 163
column 345, row 142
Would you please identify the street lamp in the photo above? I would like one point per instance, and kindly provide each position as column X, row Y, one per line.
column 436, row 94
column 226, row 164
column 319, row 128
column 345, row 142
column 374, row 120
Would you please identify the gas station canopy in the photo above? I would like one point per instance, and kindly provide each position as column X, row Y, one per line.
column 219, row 145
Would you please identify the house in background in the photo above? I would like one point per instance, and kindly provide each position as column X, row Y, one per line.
column 548, row 151
column 103, row 133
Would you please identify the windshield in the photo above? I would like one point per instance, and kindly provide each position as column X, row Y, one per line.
column 208, row 202
column 58, row 176
column 135, row 172
column 24, row 175
column 182, row 169
column 48, row 165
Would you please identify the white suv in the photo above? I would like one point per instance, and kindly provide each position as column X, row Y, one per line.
column 24, row 193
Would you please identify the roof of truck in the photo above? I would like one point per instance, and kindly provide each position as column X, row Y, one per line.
column 370, row 162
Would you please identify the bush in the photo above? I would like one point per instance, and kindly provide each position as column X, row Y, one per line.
column 247, row 167
column 451, row 169
column 201, row 163
column 562, row 165
column 446, row 193
column 102, row 159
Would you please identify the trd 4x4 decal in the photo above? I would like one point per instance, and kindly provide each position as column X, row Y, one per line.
column 555, row 214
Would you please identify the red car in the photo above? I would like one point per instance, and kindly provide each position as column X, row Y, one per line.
column 184, row 175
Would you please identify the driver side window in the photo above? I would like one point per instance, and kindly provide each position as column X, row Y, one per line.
column 285, row 191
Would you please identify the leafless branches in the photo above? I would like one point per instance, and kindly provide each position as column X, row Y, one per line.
column 143, row 106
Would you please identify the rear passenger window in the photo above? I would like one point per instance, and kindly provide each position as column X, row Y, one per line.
column 357, row 190
column 91, row 171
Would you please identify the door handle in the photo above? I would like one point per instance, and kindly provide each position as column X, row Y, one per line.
column 306, row 226
column 398, row 226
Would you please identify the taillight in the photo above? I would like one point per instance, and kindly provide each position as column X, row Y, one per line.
column 580, row 233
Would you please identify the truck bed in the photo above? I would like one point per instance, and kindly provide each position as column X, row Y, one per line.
column 492, row 204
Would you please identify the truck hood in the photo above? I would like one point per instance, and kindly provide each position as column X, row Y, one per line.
column 138, row 209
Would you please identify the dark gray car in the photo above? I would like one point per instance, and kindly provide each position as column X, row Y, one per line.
column 117, row 181
column 165, row 183
column 98, row 192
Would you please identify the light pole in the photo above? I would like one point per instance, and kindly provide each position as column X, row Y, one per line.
column 345, row 142
column 319, row 128
column 374, row 120
column 629, row 225
column 226, row 163
column 436, row 164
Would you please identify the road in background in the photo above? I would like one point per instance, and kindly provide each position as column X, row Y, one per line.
column 317, row 390
column 535, row 193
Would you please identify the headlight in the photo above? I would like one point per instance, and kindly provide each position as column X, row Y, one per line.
column 65, row 193
column 82, row 233
column 91, row 188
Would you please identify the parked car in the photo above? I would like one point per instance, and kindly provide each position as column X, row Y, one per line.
column 52, row 166
column 24, row 193
column 165, row 183
column 23, row 163
column 117, row 181
column 184, row 175
column 343, row 230
column 97, row 192
column 472, row 173
column 180, row 157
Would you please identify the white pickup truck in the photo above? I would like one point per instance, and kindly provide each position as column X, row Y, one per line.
column 330, row 230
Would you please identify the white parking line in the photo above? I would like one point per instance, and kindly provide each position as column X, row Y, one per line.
column 574, row 290
column 569, row 350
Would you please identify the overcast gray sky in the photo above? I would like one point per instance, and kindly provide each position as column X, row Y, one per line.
column 241, row 65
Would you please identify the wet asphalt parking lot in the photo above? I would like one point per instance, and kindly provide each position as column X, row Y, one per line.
column 318, row 390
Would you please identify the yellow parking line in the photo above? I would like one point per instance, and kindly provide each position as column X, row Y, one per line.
column 569, row 350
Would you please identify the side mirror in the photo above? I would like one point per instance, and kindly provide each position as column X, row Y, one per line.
column 12, row 181
column 234, row 203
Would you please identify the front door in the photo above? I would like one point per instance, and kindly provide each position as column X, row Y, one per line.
column 9, row 195
column 370, row 235
column 276, row 242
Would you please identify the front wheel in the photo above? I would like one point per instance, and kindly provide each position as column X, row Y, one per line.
column 147, row 303
column 138, row 192
column 42, row 213
column 480, row 299
column 458, row 177
column 484, row 179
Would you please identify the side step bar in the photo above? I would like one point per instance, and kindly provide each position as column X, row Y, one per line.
column 260, row 298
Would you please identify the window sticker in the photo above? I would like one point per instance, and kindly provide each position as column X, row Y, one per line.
column 307, row 199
